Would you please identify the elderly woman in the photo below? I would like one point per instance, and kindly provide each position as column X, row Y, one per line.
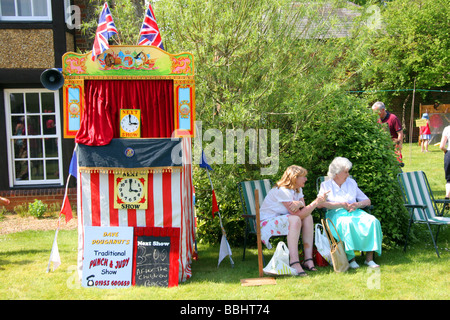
column 357, row 229
column 283, row 212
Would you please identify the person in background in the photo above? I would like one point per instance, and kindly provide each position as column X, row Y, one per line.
column 444, row 147
column 394, row 124
column 425, row 133
column 284, row 212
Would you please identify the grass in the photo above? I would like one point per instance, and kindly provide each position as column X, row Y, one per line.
column 416, row 274
column 432, row 163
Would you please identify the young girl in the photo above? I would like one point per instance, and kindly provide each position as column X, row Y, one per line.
column 425, row 133
column 283, row 212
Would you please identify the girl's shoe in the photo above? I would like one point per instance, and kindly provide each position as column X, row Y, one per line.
column 304, row 266
column 300, row 274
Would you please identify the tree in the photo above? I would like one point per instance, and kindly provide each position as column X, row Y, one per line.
column 276, row 65
column 273, row 65
column 128, row 16
column 410, row 47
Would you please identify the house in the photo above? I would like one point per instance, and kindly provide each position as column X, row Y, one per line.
column 331, row 22
column 35, row 156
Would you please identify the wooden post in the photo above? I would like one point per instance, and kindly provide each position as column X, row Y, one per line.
column 258, row 234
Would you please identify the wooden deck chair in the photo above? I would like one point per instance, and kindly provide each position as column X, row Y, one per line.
column 247, row 196
column 323, row 211
column 420, row 202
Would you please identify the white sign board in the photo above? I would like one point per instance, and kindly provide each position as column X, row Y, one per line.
column 108, row 257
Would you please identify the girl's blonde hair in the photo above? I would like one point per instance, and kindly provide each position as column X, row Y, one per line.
column 289, row 177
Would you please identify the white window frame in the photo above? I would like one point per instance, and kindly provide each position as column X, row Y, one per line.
column 18, row 18
column 13, row 181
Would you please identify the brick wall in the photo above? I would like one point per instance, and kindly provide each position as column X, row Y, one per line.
column 47, row 195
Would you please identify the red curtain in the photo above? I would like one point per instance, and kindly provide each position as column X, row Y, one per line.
column 105, row 98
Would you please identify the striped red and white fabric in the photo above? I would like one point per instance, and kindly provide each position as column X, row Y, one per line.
column 170, row 205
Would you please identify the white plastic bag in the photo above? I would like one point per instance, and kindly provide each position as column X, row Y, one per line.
column 322, row 243
column 279, row 264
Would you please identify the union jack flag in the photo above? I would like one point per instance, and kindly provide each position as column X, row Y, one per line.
column 149, row 35
column 106, row 29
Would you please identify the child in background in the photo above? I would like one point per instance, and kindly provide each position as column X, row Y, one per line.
column 425, row 133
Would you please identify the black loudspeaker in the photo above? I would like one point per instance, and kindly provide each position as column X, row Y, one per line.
column 52, row 79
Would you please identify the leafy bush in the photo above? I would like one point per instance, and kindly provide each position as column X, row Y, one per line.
column 346, row 129
column 37, row 208
column 341, row 126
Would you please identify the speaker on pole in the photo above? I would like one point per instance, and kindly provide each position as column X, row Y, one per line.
column 52, row 79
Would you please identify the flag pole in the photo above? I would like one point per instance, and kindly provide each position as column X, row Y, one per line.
column 57, row 230
column 55, row 245
column 224, row 234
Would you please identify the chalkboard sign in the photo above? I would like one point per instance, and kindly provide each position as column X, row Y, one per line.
column 152, row 261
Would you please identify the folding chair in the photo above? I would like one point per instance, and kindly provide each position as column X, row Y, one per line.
column 420, row 202
column 247, row 195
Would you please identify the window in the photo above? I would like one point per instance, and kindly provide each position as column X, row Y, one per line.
column 34, row 136
column 25, row 10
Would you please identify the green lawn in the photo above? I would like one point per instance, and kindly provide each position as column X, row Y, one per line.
column 432, row 163
column 416, row 274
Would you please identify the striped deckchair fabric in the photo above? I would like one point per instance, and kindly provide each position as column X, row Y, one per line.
column 420, row 202
column 247, row 196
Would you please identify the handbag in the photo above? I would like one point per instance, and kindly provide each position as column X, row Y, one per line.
column 322, row 244
column 338, row 255
column 279, row 264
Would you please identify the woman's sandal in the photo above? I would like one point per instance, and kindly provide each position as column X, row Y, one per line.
column 304, row 266
column 300, row 274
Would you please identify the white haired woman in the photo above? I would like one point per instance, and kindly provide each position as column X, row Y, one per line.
column 358, row 230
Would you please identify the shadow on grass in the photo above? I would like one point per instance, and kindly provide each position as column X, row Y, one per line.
column 20, row 254
column 205, row 269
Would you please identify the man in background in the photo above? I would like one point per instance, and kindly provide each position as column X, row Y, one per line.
column 395, row 127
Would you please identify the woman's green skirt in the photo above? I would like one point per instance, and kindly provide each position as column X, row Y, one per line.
column 358, row 230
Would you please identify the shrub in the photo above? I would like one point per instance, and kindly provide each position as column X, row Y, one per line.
column 37, row 208
column 341, row 126
column 346, row 129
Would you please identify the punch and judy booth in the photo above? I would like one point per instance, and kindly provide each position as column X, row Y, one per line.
column 131, row 112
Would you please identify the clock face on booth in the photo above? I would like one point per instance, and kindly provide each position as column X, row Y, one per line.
column 130, row 123
column 130, row 191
